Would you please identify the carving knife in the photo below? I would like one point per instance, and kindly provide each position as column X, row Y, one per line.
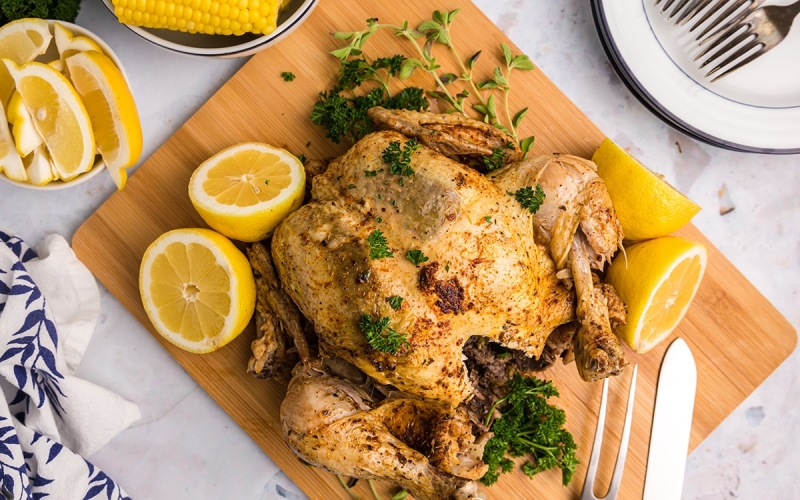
column 672, row 424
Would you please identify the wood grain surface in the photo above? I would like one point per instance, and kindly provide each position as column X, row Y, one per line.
column 737, row 337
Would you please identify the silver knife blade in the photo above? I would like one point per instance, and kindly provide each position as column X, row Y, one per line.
column 672, row 424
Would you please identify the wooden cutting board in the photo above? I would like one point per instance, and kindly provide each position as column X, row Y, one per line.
column 737, row 337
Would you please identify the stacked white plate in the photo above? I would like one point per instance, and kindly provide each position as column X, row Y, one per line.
column 754, row 109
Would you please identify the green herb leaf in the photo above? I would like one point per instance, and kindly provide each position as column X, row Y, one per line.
column 400, row 495
column 490, row 106
column 288, row 76
column 530, row 198
column 380, row 336
column 342, row 53
column 499, row 77
column 440, row 17
column 370, row 173
column 452, row 15
column 399, row 160
column 506, row 53
column 302, row 159
column 266, row 181
column 447, row 267
column 473, row 59
column 480, row 108
column 519, row 116
column 395, row 301
column 416, row 257
column 408, row 67
column 526, row 144
column 378, row 246
column 448, row 78
column 497, row 158
column 429, row 25
column 522, row 62
column 486, row 84
column 502, row 127
column 343, row 35
column 488, row 219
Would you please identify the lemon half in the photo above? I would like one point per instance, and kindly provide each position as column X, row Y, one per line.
column 657, row 282
column 646, row 205
column 197, row 289
column 245, row 191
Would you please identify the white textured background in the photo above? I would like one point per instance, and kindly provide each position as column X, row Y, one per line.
column 186, row 447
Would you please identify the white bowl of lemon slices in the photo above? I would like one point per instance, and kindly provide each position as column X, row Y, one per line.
column 68, row 105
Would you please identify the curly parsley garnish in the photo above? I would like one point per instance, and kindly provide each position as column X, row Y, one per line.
column 399, row 159
column 497, row 157
column 530, row 198
column 395, row 301
column 380, row 336
column 378, row 246
column 288, row 76
column 416, row 257
column 529, row 427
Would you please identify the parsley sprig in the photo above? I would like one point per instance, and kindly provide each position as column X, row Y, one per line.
column 530, row 427
column 498, row 156
column 380, row 336
column 395, row 301
column 416, row 257
column 399, row 159
column 288, row 76
column 530, row 198
column 378, row 246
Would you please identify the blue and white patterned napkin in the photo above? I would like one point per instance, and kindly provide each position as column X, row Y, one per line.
column 49, row 418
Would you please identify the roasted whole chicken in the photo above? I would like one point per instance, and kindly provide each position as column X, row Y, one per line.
column 486, row 270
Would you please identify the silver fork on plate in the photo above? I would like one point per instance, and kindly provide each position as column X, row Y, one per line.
column 751, row 34
column 588, row 484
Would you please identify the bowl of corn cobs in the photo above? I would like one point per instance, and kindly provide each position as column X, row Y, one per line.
column 212, row 28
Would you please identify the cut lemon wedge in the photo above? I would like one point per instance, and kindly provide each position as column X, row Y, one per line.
column 58, row 115
column 69, row 45
column 658, row 282
column 26, row 137
column 647, row 206
column 197, row 289
column 10, row 161
column 112, row 111
column 38, row 167
column 245, row 191
column 21, row 41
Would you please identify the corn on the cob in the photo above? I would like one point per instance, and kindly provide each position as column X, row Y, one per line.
column 220, row 17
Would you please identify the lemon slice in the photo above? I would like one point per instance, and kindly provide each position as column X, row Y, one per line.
column 58, row 65
column 10, row 161
column 197, row 289
column 245, row 191
column 112, row 111
column 38, row 167
column 646, row 205
column 658, row 284
column 69, row 45
column 58, row 114
column 26, row 137
column 21, row 41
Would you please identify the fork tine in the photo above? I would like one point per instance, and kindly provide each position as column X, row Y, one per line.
column 736, row 55
column 728, row 47
column 741, row 63
column 692, row 11
column 730, row 10
column 678, row 8
column 622, row 454
column 736, row 34
column 713, row 12
column 587, row 493
column 667, row 5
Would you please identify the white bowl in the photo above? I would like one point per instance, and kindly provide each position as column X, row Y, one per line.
column 225, row 46
column 50, row 55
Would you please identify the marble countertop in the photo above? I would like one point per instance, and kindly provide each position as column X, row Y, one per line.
column 186, row 447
